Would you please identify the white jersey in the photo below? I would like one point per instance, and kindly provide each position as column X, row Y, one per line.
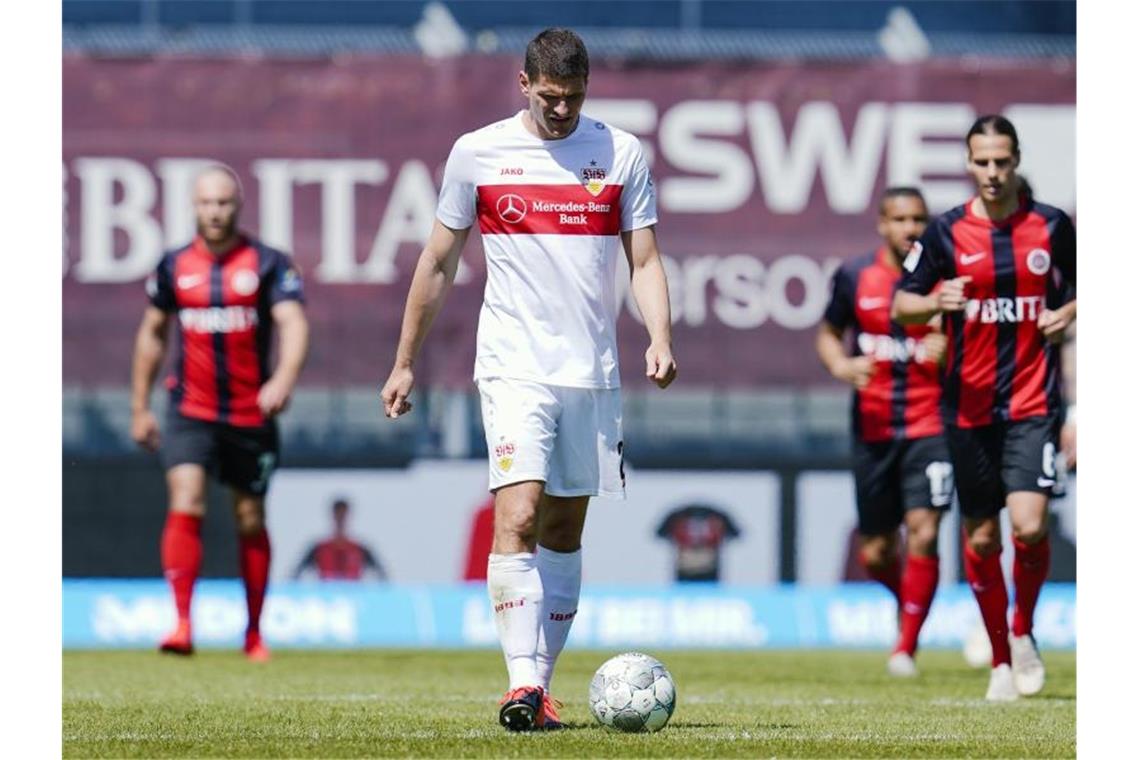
column 550, row 212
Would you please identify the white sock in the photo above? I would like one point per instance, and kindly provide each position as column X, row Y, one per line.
column 515, row 589
column 561, row 574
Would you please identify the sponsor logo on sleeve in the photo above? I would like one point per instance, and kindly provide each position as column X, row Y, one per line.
column 910, row 263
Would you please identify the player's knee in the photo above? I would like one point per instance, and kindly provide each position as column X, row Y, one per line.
column 923, row 540
column 250, row 523
column 876, row 553
column 1031, row 531
column 516, row 525
column 984, row 543
column 249, row 514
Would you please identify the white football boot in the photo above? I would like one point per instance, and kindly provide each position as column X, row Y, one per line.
column 901, row 665
column 1028, row 669
column 1001, row 685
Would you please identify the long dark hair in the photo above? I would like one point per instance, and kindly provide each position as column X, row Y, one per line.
column 994, row 124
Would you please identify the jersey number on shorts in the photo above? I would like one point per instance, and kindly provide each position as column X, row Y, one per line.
column 265, row 464
column 941, row 477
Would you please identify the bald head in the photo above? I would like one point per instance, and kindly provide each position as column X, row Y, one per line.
column 217, row 203
column 218, row 179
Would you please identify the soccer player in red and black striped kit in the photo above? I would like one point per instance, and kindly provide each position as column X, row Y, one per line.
column 902, row 468
column 227, row 291
column 1005, row 262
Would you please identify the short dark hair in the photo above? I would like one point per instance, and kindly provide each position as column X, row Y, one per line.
column 994, row 124
column 558, row 54
column 899, row 191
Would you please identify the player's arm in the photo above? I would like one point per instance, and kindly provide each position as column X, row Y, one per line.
column 150, row 347
column 307, row 562
column 375, row 567
column 435, row 272
column 856, row 370
column 1054, row 322
column 651, row 293
column 838, row 316
column 293, row 347
column 914, row 303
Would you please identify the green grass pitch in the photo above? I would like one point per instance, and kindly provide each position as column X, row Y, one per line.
column 388, row 703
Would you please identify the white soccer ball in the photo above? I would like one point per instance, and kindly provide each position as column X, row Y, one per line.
column 633, row 692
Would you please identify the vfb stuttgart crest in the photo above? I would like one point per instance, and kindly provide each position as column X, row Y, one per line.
column 594, row 176
column 505, row 455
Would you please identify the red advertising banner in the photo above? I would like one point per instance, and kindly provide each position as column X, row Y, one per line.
column 767, row 177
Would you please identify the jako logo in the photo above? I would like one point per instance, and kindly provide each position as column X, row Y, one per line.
column 990, row 311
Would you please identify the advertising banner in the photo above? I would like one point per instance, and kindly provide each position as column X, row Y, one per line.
column 104, row 614
column 767, row 178
column 431, row 523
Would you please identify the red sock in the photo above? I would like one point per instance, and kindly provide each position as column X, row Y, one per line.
column 890, row 575
column 988, row 584
column 1030, row 566
column 254, row 560
column 181, row 551
column 919, row 581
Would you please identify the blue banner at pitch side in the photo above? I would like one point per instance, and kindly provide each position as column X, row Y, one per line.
column 124, row 614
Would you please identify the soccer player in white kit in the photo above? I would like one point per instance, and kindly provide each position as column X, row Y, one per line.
column 553, row 193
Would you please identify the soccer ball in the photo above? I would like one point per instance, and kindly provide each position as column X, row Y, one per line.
column 633, row 692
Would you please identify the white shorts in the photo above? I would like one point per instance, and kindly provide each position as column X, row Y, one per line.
column 570, row 438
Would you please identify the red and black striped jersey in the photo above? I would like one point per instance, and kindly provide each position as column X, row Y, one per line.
column 223, row 303
column 340, row 558
column 901, row 399
column 999, row 366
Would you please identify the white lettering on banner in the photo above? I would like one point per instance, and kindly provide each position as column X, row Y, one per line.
column 746, row 293
column 100, row 216
column 116, row 620
column 787, row 168
column 684, row 145
column 720, row 147
column 218, row 319
column 287, row 620
column 912, row 156
column 408, row 218
column 338, row 180
column 275, row 198
column 862, row 623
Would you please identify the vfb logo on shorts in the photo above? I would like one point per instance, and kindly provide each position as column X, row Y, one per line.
column 511, row 208
column 505, row 455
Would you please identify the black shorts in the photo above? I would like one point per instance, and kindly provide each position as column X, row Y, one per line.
column 993, row 461
column 242, row 457
column 894, row 476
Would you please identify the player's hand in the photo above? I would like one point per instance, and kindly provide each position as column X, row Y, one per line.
column 952, row 295
column 1053, row 324
column 857, row 370
column 395, row 392
column 659, row 364
column 934, row 347
column 274, row 396
column 144, row 429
